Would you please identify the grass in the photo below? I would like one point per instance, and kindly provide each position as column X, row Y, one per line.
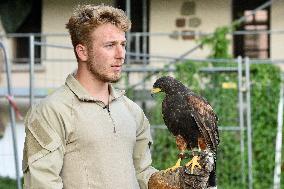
column 8, row 183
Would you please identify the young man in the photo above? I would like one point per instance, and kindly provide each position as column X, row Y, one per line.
column 87, row 134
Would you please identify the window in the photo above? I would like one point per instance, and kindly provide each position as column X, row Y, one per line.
column 32, row 24
column 136, row 11
column 256, row 43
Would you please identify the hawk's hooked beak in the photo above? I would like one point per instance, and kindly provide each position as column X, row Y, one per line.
column 155, row 90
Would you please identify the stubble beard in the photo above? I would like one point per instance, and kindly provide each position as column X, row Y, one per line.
column 99, row 73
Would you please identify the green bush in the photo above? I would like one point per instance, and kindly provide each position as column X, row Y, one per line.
column 265, row 97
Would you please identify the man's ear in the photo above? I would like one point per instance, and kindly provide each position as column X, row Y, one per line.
column 82, row 52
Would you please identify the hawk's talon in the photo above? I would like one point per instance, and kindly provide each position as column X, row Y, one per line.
column 177, row 165
column 193, row 163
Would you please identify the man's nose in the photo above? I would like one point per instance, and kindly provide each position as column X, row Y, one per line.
column 120, row 52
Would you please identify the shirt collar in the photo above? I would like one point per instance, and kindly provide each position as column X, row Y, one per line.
column 82, row 94
column 115, row 93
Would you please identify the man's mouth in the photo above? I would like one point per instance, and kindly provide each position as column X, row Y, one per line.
column 117, row 67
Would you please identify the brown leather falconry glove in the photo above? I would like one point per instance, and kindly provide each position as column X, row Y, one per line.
column 181, row 178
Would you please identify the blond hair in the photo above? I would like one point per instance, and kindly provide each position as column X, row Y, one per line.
column 86, row 18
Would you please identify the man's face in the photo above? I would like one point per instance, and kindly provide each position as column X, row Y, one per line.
column 106, row 53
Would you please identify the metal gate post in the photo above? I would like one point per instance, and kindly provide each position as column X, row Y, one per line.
column 249, row 127
column 32, row 63
column 241, row 115
column 12, row 117
column 278, row 142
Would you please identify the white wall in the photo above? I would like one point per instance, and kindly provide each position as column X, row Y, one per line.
column 163, row 14
column 277, row 23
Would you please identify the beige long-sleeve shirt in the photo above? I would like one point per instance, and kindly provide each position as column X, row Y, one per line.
column 73, row 141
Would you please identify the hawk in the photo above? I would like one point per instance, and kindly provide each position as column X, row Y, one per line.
column 191, row 119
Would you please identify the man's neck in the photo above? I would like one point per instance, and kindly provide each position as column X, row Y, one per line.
column 96, row 88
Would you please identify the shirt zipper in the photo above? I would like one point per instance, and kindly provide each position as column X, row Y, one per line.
column 108, row 110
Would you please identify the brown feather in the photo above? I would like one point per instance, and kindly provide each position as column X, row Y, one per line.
column 205, row 118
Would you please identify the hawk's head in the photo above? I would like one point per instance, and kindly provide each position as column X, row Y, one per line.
column 167, row 84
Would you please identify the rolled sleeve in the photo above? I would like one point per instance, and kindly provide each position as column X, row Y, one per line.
column 43, row 152
column 142, row 154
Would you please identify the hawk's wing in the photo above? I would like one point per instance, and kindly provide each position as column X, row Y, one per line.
column 205, row 118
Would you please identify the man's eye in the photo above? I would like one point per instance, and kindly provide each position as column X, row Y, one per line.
column 109, row 45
